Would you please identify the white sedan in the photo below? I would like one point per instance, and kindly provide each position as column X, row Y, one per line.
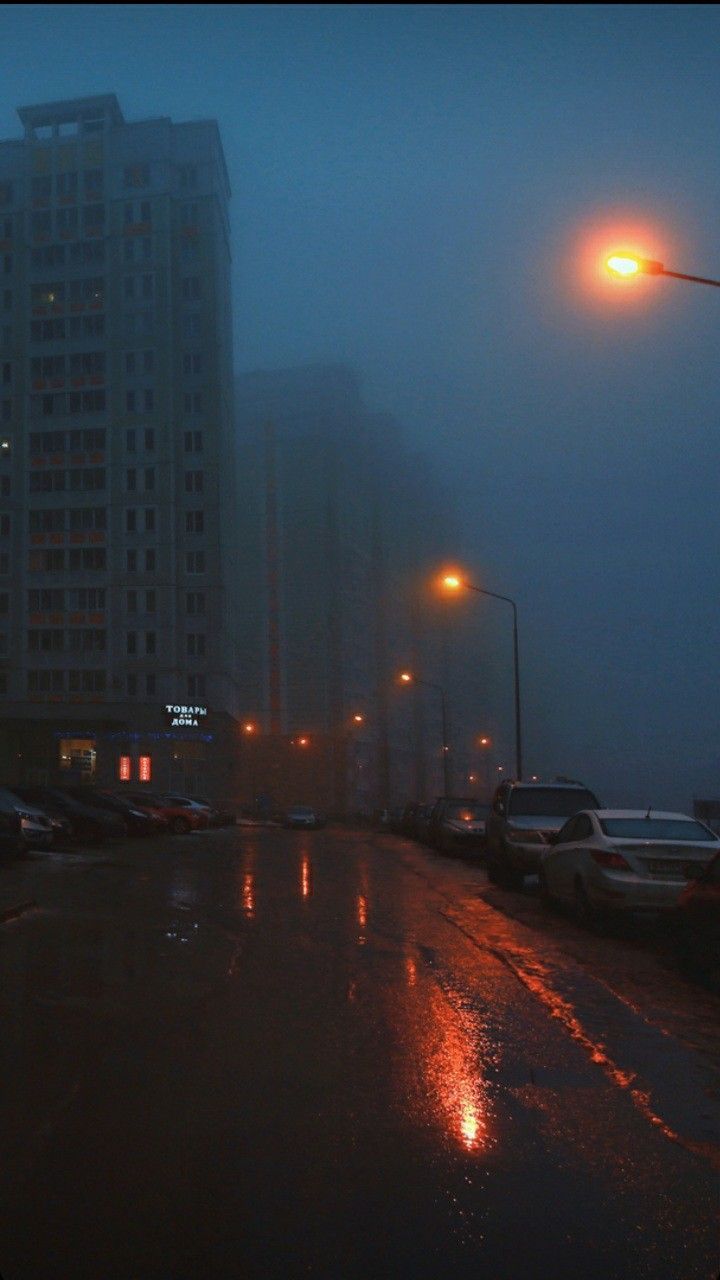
column 624, row 860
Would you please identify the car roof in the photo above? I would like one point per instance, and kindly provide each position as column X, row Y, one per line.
column 639, row 813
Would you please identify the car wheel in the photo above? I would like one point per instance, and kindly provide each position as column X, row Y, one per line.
column 180, row 826
column 584, row 912
column 546, row 897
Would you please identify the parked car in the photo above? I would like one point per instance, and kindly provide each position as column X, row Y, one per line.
column 395, row 819
column 180, row 818
column 523, row 817
column 695, row 925
column 620, row 860
column 137, row 822
column 422, row 823
column 219, row 817
column 457, row 824
column 35, row 825
column 204, row 811
column 408, row 817
column 300, row 816
column 11, row 840
column 86, row 822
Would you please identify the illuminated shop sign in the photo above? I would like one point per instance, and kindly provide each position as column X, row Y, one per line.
column 182, row 715
column 145, row 768
column 124, row 768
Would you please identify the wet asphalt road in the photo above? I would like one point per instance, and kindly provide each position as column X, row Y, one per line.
column 257, row 1053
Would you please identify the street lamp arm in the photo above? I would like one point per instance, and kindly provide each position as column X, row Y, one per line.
column 679, row 275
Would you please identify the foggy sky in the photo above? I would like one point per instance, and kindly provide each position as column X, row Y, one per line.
column 414, row 188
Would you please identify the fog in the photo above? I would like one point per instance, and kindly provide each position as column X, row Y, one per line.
column 421, row 193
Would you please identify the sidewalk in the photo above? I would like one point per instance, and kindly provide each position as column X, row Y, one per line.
column 18, row 886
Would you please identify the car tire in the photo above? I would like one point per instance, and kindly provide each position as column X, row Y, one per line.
column 180, row 826
column 584, row 913
column 546, row 898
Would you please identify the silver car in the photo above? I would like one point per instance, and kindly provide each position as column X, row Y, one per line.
column 606, row 860
column 36, row 826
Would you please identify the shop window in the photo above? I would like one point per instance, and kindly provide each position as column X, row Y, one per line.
column 78, row 756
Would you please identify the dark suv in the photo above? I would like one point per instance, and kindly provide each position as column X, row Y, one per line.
column 523, row 818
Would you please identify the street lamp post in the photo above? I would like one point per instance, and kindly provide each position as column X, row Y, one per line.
column 407, row 678
column 629, row 265
column 454, row 583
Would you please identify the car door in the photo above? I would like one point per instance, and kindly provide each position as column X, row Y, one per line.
column 575, row 854
column 553, row 863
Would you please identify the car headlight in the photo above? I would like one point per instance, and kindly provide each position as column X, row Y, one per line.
column 524, row 837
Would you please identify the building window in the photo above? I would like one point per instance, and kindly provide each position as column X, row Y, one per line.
column 131, row 684
column 131, row 478
column 149, row 519
column 131, row 520
column 195, row 562
column 149, row 478
column 196, row 685
column 193, row 441
column 149, row 439
column 132, row 601
column 194, row 481
column 150, row 560
column 150, row 600
column 137, row 175
column 130, row 440
column 150, row 642
column 131, row 561
column 150, row 690
column 190, row 289
column 195, row 603
column 195, row 645
column 194, row 521
column 131, row 642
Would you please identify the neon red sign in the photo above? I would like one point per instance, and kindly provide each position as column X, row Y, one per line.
column 145, row 768
column 124, row 768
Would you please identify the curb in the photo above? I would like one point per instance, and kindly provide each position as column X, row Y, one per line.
column 12, row 913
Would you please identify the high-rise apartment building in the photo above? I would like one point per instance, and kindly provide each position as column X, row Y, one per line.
column 117, row 456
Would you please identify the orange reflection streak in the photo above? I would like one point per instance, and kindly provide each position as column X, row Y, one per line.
column 247, row 887
column 248, row 895
column 362, row 911
column 448, row 1043
column 450, row 1062
column 305, row 877
column 561, row 1009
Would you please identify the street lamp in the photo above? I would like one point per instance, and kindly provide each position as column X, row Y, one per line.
column 453, row 583
column 407, row 677
column 626, row 264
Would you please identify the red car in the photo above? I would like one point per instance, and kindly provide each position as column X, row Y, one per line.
column 178, row 817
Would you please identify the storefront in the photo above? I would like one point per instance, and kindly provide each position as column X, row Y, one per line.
column 188, row 749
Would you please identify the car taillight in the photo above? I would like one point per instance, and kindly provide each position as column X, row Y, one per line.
column 613, row 861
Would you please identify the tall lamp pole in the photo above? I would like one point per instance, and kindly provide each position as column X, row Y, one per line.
column 408, row 678
column 453, row 582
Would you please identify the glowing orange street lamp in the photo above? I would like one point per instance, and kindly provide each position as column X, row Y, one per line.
column 249, row 727
column 359, row 719
column 627, row 264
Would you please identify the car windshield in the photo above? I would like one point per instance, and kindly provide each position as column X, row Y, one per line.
column 657, row 829
column 469, row 812
column 550, row 802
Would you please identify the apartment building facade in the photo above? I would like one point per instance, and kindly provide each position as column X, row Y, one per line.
column 118, row 601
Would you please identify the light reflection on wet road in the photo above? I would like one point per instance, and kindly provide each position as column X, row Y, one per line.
column 258, row 1053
